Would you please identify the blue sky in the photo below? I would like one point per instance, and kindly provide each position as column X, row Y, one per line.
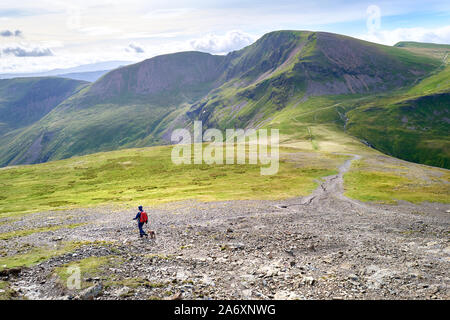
column 46, row 34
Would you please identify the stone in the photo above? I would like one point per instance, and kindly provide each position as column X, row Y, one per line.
column 177, row 296
column 286, row 295
column 182, row 276
column 247, row 293
column 309, row 281
column 289, row 252
column 207, row 281
column 121, row 291
column 378, row 279
column 91, row 292
column 10, row 272
column 235, row 246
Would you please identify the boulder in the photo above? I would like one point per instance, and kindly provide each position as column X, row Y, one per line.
column 286, row 295
column 91, row 292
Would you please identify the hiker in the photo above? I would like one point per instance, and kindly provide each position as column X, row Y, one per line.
column 143, row 218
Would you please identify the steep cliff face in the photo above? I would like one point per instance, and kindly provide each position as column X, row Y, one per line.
column 178, row 73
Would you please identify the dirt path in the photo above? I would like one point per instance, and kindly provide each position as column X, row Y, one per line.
column 323, row 246
column 330, row 189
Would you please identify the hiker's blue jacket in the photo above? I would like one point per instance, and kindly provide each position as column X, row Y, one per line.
column 138, row 215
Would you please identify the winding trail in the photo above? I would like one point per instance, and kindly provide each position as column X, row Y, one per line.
column 330, row 190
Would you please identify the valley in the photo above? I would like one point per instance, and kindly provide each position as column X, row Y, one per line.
column 359, row 208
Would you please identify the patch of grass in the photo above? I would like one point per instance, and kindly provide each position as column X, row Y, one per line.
column 151, row 178
column 89, row 267
column 6, row 293
column 159, row 256
column 133, row 284
column 380, row 185
column 37, row 255
column 23, row 233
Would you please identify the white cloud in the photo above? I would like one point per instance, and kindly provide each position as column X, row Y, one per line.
column 391, row 37
column 20, row 51
column 232, row 40
column 98, row 31
column 9, row 33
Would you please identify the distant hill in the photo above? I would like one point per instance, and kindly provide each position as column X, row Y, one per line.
column 434, row 50
column 292, row 80
column 87, row 72
column 90, row 76
column 412, row 44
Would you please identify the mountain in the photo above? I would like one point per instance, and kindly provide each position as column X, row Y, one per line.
column 298, row 81
column 125, row 108
column 90, row 76
column 412, row 44
column 435, row 50
column 24, row 101
column 86, row 72
column 288, row 67
column 414, row 125
column 180, row 74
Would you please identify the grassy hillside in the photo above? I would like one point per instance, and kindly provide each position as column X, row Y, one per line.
column 435, row 50
column 128, row 107
column 305, row 65
column 416, row 130
column 385, row 179
column 325, row 85
column 412, row 44
column 148, row 176
column 412, row 124
column 24, row 101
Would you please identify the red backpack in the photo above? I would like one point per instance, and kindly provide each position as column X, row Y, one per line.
column 144, row 217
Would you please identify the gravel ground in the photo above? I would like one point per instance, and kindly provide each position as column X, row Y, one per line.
column 323, row 246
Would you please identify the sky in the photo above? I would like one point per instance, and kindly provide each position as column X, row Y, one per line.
column 40, row 35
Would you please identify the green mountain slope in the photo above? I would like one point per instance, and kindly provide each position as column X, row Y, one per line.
column 435, row 50
column 412, row 44
column 122, row 109
column 313, row 64
column 416, row 130
column 26, row 100
column 413, row 125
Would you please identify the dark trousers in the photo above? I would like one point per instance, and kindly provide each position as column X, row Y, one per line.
column 141, row 231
